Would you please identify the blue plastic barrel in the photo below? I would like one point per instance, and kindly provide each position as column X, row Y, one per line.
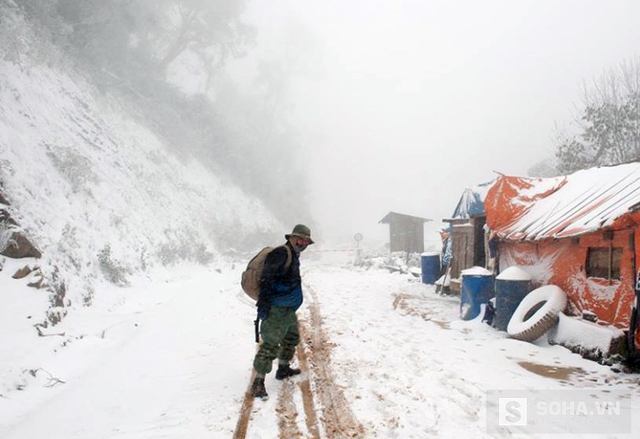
column 430, row 267
column 511, row 287
column 477, row 288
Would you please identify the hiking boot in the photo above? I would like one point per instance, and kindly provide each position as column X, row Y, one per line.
column 285, row 371
column 258, row 390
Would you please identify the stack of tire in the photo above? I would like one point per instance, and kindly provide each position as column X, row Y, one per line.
column 537, row 313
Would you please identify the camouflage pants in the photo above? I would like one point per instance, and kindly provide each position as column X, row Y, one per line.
column 280, row 336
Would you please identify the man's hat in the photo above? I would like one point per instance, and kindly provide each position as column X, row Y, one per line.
column 302, row 231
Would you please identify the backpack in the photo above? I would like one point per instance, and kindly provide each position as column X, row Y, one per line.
column 251, row 276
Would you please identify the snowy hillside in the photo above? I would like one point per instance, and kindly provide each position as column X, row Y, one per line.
column 97, row 193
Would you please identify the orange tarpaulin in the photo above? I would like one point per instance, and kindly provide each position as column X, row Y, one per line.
column 561, row 263
column 548, row 225
column 511, row 197
column 533, row 209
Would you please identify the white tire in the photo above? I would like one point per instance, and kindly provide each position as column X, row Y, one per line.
column 537, row 313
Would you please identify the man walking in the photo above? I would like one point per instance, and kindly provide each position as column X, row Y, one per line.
column 280, row 297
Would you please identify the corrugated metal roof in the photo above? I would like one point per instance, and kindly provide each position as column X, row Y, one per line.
column 533, row 209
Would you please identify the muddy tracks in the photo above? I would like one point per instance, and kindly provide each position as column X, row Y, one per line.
column 314, row 395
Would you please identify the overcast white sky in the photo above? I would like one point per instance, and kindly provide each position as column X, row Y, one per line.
column 401, row 104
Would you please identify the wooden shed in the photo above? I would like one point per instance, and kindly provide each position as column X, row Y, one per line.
column 406, row 232
column 467, row 233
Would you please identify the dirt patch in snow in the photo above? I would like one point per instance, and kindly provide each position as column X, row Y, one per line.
column 402, row 304
column 556, row 372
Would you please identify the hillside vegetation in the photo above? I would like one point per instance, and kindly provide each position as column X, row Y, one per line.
column 106, row 182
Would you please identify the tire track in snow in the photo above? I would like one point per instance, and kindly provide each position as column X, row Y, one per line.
column 286, row 409
column 288, row 413
column 245, row 411
column 307, row 397
column 337, row 418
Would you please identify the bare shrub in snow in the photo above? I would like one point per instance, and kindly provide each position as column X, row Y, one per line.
column 175, row 251
column 112, row 270
column 74, row 167
column 87, row 297
column 183, row 245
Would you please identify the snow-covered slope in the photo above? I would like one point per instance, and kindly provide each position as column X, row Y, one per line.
column 96, row 192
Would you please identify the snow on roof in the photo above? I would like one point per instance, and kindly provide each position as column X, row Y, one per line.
column 522, row 208
column 393, row 216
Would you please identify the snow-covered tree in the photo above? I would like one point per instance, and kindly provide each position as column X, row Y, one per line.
column 609, row 123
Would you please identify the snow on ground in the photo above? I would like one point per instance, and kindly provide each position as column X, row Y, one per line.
column 171, row 358
column 413, row 369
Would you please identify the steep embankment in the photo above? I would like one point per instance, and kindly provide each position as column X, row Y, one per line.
column 97, row 193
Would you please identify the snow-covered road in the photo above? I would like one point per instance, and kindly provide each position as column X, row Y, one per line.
column 172, row 359
column 412, row 369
